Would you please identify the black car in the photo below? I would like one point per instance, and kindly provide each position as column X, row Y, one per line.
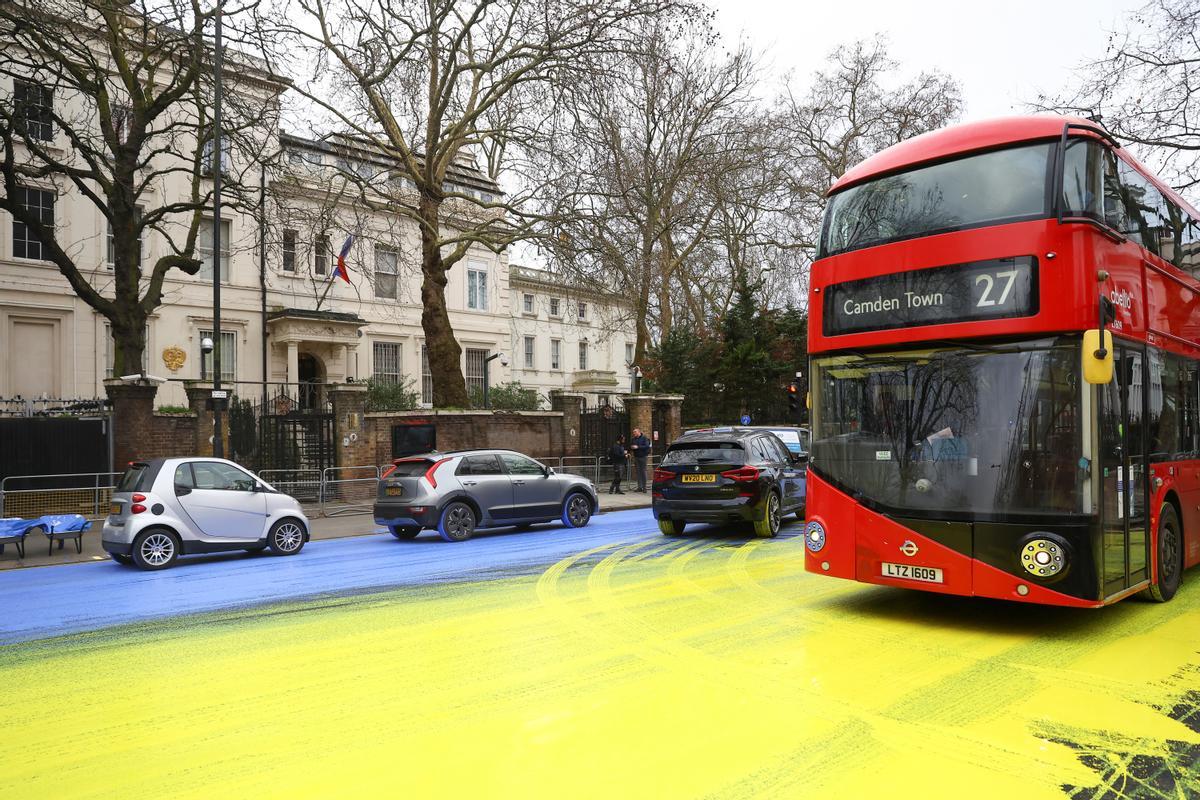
column 728, row 475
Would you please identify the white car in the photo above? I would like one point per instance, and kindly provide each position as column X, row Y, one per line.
column 168, row 507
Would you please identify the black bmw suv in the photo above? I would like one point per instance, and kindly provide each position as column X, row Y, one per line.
column 728, row 475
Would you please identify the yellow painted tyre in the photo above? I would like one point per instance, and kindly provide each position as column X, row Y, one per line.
column 768, row 526
column 670, row 527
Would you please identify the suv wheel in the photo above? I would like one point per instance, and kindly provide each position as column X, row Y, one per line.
column 457, row 523
column 154, row 549
column 576, row 510
column 404, row 531
column 671, row 527
column 768, row 526
column 286, row 537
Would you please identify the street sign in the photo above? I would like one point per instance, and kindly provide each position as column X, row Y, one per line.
column 745, row 419
column 220, row 394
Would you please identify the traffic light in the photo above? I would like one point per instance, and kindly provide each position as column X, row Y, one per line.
column 793, row 395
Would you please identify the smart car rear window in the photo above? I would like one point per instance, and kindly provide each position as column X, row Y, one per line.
column 132, row 479
column 705, row 453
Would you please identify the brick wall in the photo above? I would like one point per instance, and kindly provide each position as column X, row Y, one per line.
column 536, row 433
column 171, row 435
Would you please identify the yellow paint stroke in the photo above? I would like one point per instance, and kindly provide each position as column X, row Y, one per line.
column 663, row 668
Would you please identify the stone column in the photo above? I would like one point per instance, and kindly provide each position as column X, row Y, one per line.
column 133, row 420
column 293, row 364
column 640, row 408
column 351, row 445
column 672, row 405
column 199, row 395
column 571, row 407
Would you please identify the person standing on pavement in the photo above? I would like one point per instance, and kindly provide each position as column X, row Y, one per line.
column 617, row 457
column 640, row 446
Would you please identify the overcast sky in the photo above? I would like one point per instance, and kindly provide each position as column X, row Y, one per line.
column 1002, row 53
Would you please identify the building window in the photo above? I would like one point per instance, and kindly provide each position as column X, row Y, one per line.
column 387, row 362
column 529, row 345
column 205, row 249
column 321, row 255
column 228, row 347
column 555, row 354
column 289, row 251
column 583, row 355
column 387, row 262
column 628, row 355
column 527, row 303
column 426, row 378
column 110, row 351
column 33, row 110
column 206, row 156
column 475, row 367
column 477, row 289
column 111, row 251
column 554, row 307
column 583, row 311
column 40, row 204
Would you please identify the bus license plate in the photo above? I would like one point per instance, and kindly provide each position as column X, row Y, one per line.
column 698, row 478
column 395, row 491
column 912, row 572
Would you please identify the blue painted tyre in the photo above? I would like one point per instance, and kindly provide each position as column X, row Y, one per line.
column 576, row 510
column 457, row 523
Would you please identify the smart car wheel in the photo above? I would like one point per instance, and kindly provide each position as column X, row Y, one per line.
column 404, row 531
column 286, row 537
column 576, row 510
column 457, row 523
column 154, row 549
column 671, row 527
column 768, row 526
column 1170, row 557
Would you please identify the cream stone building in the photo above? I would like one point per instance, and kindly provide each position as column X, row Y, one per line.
column 284, row 319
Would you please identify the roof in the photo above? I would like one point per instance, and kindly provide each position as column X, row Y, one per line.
column 956, row 140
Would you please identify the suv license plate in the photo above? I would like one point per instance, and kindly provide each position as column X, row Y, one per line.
column 395, row 491
column 698, row 478
column 912, row 572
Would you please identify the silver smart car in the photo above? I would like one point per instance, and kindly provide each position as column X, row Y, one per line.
column 455, row 493
column 168, row 507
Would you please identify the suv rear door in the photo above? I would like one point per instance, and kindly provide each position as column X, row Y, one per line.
column 484, row 479
column 696, row 468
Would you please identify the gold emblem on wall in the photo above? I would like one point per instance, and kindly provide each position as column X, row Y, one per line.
column 174, row 357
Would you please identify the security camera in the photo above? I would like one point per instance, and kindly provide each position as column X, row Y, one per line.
column 206, row 345
column 503, row 360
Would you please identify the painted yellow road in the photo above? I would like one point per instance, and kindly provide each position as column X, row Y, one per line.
column 655, row 668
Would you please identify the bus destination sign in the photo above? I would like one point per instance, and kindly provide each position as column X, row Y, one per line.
column 998, row 288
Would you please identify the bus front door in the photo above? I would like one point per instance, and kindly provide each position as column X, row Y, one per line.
column 1123, row 473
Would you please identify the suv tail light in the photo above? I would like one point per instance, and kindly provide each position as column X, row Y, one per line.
column 432, row 468
column 388, row 471
column 742, row 474
column 661, row 475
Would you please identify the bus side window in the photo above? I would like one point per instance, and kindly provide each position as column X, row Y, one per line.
column 1115, row 215
column 1189, row 249
column 1083, row 179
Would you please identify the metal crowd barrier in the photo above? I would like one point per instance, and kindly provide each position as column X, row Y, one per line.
column 302, row 484
column 349, row 490
column 86, row 493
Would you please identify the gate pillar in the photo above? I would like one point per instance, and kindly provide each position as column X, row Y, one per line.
column 640, row 408
column 133, row 419
column 199, row 395
column 671, row 406
column 571, row 406
column 350, row 445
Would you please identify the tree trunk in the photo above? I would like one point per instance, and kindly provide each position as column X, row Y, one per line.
column 129, row 342
column 129, row 323
column 449, row 386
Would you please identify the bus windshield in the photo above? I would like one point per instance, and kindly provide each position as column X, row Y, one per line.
column 985, row 189
column 954, row 429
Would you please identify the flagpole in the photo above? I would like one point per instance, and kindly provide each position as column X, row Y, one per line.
column 324, row 294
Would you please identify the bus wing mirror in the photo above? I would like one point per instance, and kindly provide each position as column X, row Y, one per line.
column 1097, row 355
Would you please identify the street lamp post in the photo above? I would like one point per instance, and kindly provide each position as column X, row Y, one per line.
column 218, row 444
column 487, row 365
column 635, row 380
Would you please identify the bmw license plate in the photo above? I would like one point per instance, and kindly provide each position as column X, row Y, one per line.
column 912, row 572
column 395, row 491
column 698, row 478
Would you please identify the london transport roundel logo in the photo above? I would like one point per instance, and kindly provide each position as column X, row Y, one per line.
column 909, row 548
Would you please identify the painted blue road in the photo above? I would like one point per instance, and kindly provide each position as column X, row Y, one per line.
column 52, row 601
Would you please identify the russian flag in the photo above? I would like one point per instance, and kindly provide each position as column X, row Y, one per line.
column 340, row 270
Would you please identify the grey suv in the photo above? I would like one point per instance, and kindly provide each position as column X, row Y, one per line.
column 455, row 493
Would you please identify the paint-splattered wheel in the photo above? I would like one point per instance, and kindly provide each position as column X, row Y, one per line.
column 576, row 510
column 1170, row 557
column 768, row 526
column 457, row 523
column 671, row 527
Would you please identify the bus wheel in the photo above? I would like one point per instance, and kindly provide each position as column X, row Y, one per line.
column 1170, row 556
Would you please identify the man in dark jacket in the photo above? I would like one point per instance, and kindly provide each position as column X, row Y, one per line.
column 617, row 457
column 640, row 447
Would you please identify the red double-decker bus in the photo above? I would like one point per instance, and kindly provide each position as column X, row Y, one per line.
column 1005, row 345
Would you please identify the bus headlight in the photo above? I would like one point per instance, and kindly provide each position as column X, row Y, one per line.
column 814, row 536
column 1043, row 557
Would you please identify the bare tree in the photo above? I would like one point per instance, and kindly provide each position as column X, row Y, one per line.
column 1146, row 88
column 110, row 99
column 432, row 84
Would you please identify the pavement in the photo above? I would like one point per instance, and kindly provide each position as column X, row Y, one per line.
column 355, row 521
